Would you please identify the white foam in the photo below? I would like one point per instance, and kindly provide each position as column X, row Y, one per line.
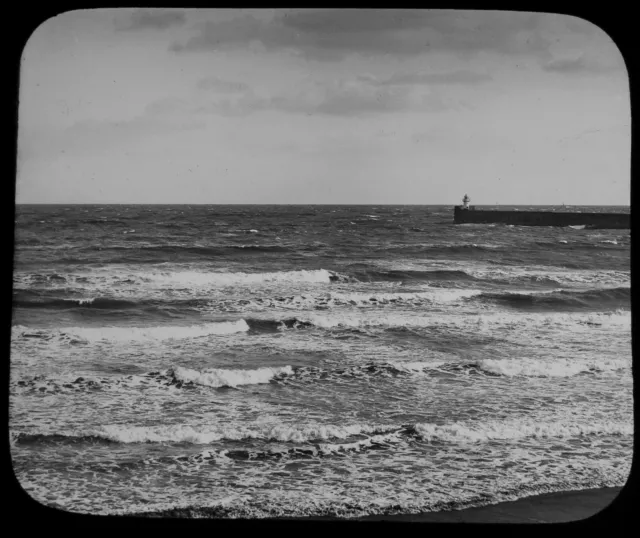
column 107, row 279
column 419, row 366
column 196, row 278
column 515, row 429
column 550, row 368
column 141, row 334
column 216, row 377
column 338, row 299
column 206, row 434
column 457, row 432
column 358, row 445
column 591, row 277
column 526, row 292
column 436, row 295
column 524, row 367
column 409, row 320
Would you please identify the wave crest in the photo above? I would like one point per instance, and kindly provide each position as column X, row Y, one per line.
column 556, row 299
column 104, row 279
column 217, row 377
column 548, row 368
column 206, row 434
column 514, row 430
column 76, row 335
column 346, row 438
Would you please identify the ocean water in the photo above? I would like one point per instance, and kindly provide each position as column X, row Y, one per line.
column 260, row 361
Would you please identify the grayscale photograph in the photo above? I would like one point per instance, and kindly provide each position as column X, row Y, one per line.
column 338, row 264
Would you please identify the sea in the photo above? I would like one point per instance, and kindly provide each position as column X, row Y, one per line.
column 254, row 361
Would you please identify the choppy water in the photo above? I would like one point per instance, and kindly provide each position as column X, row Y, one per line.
column 292, row 360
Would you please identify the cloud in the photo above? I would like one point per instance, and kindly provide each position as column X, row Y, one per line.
column 353, row 96
column 159, row 118
column 241, row 104
column 219, row 85
column 578, row 65
column 331, row 35
column 221, row 35
column 452, row 77
column 155, row 20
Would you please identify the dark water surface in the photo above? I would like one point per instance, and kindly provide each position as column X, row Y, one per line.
column 297, row 360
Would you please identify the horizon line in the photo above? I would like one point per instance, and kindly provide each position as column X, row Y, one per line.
column 311, row 204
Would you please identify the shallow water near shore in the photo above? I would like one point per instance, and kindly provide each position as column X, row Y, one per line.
column 267, row 361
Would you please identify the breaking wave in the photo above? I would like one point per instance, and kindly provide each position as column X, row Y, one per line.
column 524, row 367
column 545, row 276
column 335, row 320
column 339, row 299
column 357, row 436
column 175, row 377
column 341, row 320
column 499, row 275
column 548, row 368
column 206, row 434
column 34, row 301
column 399, row 275
column 515, row 430
column 549, row 300
column 130, row 334
column 186, row 378
column 217, row 377
column 43, row 300
column 106, row 278
column 555, row 300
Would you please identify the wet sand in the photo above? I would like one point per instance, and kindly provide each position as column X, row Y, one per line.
column 557, row 507
column 547, row 508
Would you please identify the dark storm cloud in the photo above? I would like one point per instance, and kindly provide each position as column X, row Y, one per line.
column 237, row 32
column 156, row 20
column 328, row 35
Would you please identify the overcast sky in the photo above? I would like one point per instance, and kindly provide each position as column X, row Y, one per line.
column 322, row 106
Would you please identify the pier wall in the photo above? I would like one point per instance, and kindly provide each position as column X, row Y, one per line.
column 542, row 218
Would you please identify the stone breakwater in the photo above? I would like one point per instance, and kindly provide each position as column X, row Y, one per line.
column 542, row 218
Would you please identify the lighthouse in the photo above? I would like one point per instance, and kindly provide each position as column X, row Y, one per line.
column 465, row 202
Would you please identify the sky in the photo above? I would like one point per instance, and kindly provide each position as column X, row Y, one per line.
column 285, row 106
